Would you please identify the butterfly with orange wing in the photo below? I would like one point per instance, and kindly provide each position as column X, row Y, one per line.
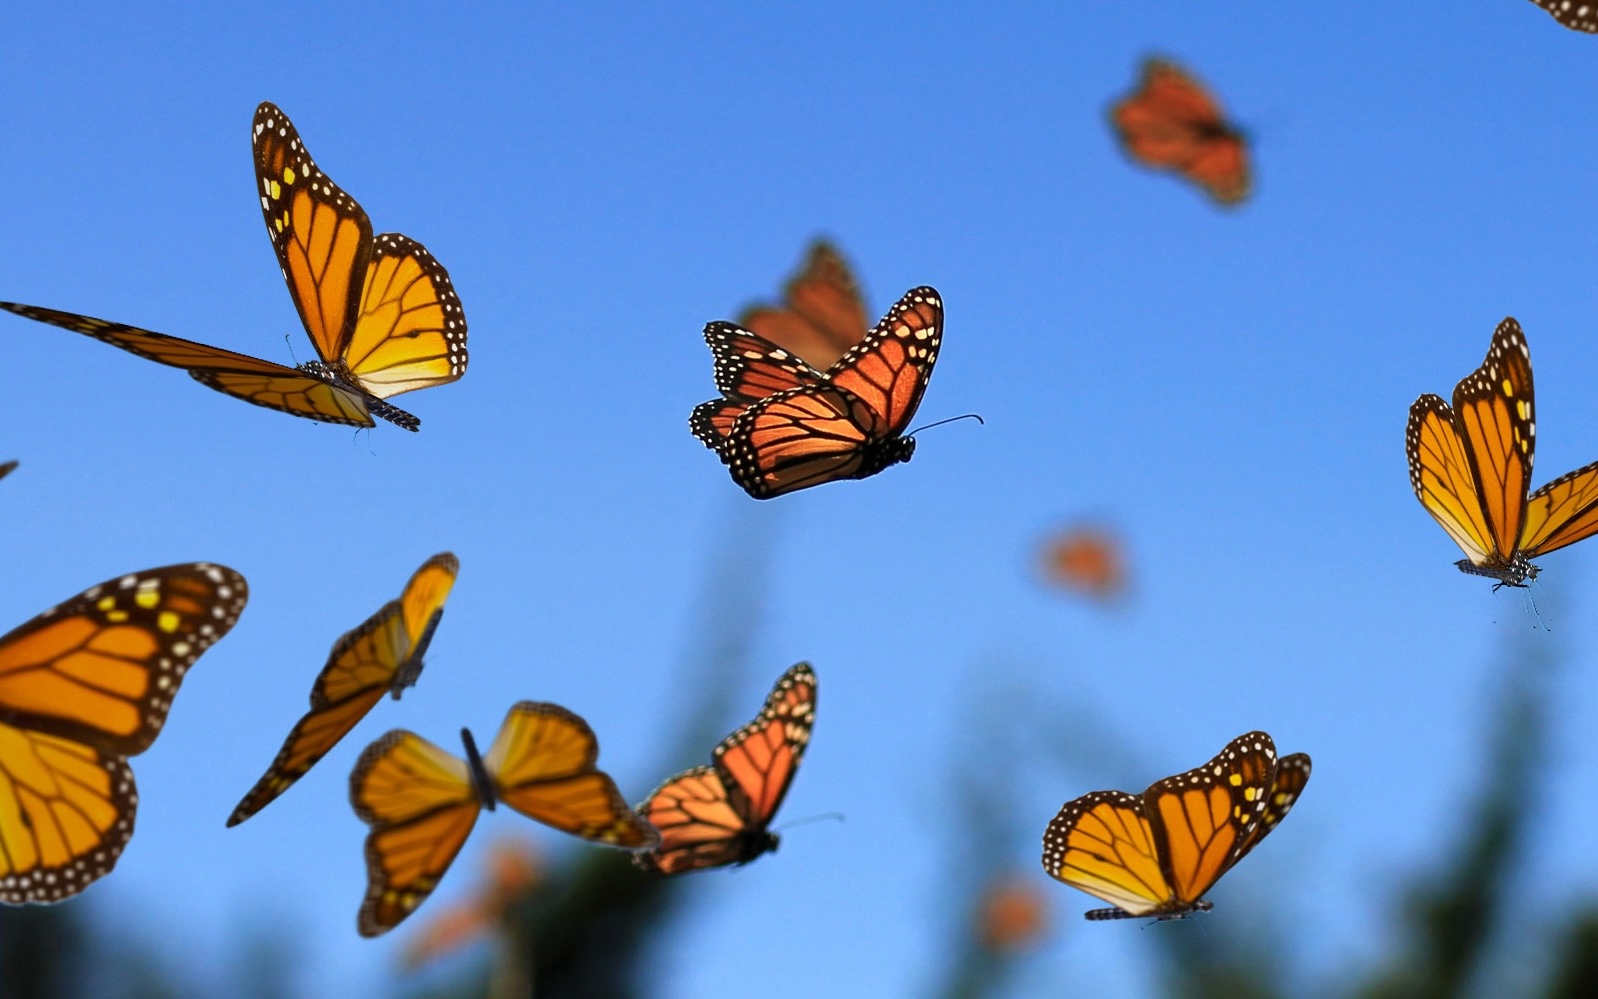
column 781, row 425
column 84, row 686
column 1171, row 122
column 422, row 801
column 1577, row 16
column 1158, row 853
column 382, row 656
column 1470, row 466
column 1088, row 559
column 717, row 815
column 380, row 311
column 823, row 314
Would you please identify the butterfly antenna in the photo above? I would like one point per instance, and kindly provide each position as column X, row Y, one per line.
column 964, row 416
column 839, row 816
column 289, row 339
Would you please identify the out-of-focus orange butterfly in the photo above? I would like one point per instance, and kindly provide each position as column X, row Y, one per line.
column 717, row 815
column 1573, row 15
column 422, row 801
column 781, row 425
column 1470, row 466
column 381, row 656
column 381, row 312
column 1087, row 559
column 83, row 686
column 823, row 314
column 7, row 468
column 1157, row 853
column 1171, row 122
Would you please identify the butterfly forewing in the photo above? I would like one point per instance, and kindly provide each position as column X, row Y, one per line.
column 825, row 314
column 760, row 759
column 411, row 330
column 1442, row 476
column 889, row 369
column 1292, row 774
column 1205, row 816
column 1103, row 844
column 748, row 368
column 1493, row 409
column 1578, row 15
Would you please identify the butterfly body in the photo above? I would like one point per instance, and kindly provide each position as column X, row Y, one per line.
column 410, row 668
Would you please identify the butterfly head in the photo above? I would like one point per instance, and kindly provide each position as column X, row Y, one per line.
column 754, row 842
column 883, row 453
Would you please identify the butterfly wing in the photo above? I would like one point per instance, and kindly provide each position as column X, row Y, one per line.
column 1087, row 559
column 542, row 765
column 410, row 332
column 1577, row 15
column 825, row 314
column 289, row 390
column 1292, row 773
column 748, row 368
column 700, row 827
column 1171, row 122
column 1561, row 513
column 82, row 686
column 382, row 654
column 420, row 802
column 1103, row 844
column 6, row 468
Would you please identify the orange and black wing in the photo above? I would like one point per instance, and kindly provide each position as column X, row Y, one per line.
column 543, row 764
column 382, row 655
column 410, row 332
column 421, row 805
column 1103, row 844
column 758, row 762
column 825, row 313
column 289, row 390
column 747, row 368
column 700, row 826
column 1577, row 15
column 1561, row 513
column 1171, row 122
column 82, row 686
column 1292, row 774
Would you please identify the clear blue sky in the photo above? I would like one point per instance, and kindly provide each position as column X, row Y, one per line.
column 1229, row 388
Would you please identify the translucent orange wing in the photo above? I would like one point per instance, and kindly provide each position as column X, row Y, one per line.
column 1104, row 844
column 82, row 686
column 758, row 762
column 1577, row 15
column 1561, row 513
column 411, row 331
column 699, row 825
column 1171, row 122
column 1292, row 774
column 824, row 316
column 421, row 805
column 748, row 368
column 382, row 655
column 311, row 394
column 890, row 368
column 542, row 764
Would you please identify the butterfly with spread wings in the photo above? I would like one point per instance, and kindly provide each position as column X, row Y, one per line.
column 422, row 801
column 1157, row 853
column 1577, row 16
column 1171, row 122
column 717, row 815
column 781, row 425
column 823, row 314
column 1470, row 466
column 83, row 686
column 381, row 656
column 380, row 311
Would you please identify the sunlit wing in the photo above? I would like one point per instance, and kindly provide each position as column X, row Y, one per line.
column 82, row 686
column 1292, row 774
column 1205, row 817
column 1441, row 474
column 699, row 826
column 1171, row 122
column 411, row 331
column 382, row 655
column 1577, row 15
column 824, row 316
column 888, row 370
column 420, row 802
column 1561, row 513
column 1493, row 410
column 748, row 368
column 289, row 390
column 1103, row 844
column 760, row 759
column 542, row 764
column 801, row 438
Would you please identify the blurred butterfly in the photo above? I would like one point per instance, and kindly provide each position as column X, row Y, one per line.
column 7, row 468
column 421, row 801
column 717, row 815
column 823, row 315
column 382, row 656
column 1157, row 853
column 381, row 312
column 1086, row 559
column 781, row 425
column 1470, row 465
column 1171, row 122
column 83, row 686
column 1573, row 15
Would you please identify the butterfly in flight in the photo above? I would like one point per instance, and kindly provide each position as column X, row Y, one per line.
column 781, row 425
column 1470, row 465
column 717, row 815
column 6, row 468
column 823, row 314
column 1087, row 559
column 1577, row 16
column 381, row 656
column 1157, row 853
column 422, row 801
column 381, row 312
column 1171, row 122
column 83, row 686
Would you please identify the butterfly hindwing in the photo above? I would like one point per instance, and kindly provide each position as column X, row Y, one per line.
column 1562, row 512
column 1577, row 15
column 410, row 332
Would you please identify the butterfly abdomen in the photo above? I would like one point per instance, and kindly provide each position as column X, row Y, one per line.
column 1513, row 573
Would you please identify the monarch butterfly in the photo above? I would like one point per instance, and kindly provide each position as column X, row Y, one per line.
column 83, row 686
column 782, row 425
column 824, row 314
column 1156, row 854
column 382, row 655
column 421, row 801
column 1573, row 15
column 717, row 815
column 1470, row 465
column 7, row 468
column 381, row 312
column 1171, row 122
column 1087, row 559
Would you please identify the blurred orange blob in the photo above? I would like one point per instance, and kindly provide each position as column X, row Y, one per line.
column 513, row 870
column 1089, row 560
column 823, row 314
column 1011, row 916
